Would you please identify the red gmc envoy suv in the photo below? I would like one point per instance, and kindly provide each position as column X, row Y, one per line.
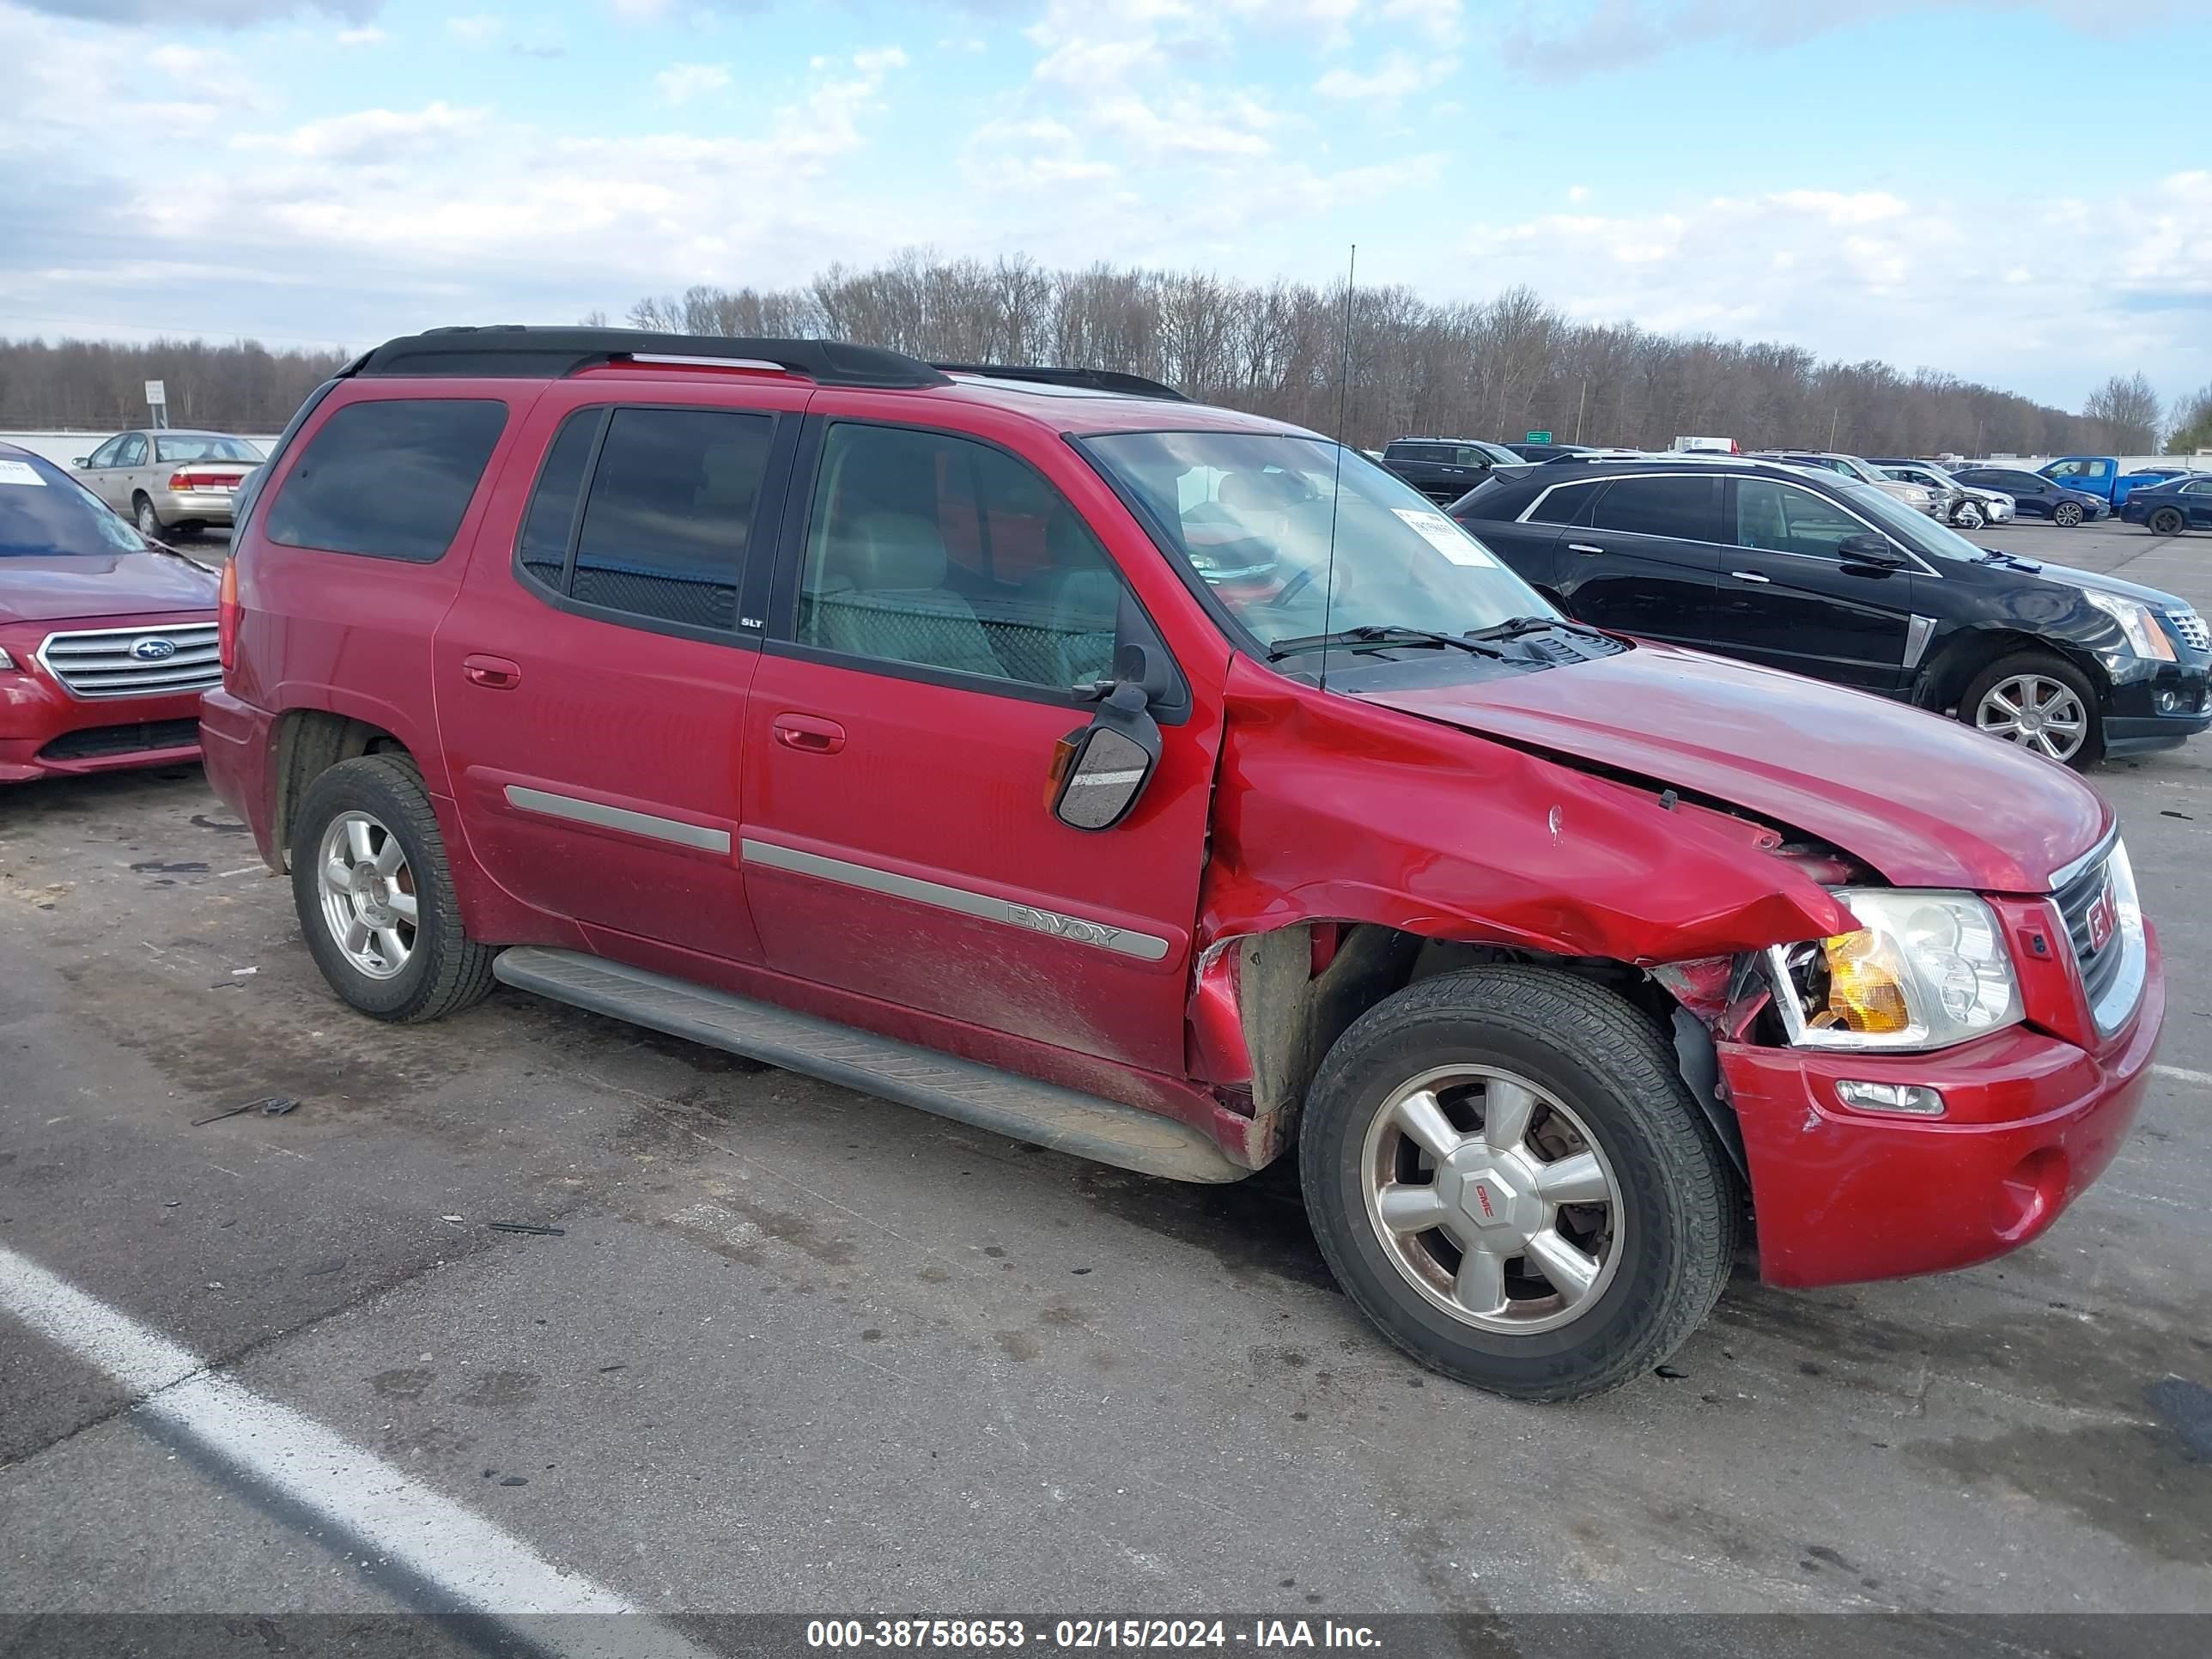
column 1173, row 787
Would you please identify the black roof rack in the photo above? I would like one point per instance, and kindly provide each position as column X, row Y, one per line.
column 509, row 350
column 1087, row 379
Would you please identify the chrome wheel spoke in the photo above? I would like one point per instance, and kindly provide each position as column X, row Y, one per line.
column 356, row 937
column 338, row 878
column 1406, row 1208
column 402, row 905
column 1577, row 1179
column 357, row 834
column 1507, row 1108
column 389, row 944
column 389, row 859
column 1569, row 1270
column 1479, row 1284
column 1423, row 1120
column 2003, row 705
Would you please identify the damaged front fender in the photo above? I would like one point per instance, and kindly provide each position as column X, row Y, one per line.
column 1329, row 809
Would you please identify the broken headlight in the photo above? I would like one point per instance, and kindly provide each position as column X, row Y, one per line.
column 1925, row 970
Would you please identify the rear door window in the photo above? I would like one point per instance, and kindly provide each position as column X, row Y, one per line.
column 1684, row 509
column 1569, row 504
column 673, row 500
column 131, row 452
column 388, row 479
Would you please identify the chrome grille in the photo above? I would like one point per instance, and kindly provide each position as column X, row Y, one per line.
column 2099, row 966
column 104, row 662
column 2190, row 627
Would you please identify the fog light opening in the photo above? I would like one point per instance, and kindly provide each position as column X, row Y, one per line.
column 1911, row 1099
column 2029, row 1197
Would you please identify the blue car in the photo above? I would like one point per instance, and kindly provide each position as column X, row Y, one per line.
column 2035, row 496
column 2167, row 509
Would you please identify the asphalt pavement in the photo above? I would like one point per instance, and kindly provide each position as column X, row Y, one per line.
column 794, row 1349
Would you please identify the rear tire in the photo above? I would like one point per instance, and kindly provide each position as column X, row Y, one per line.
column 375, row 897
column 143, row 515
column 2165, row 521
column 1589, row 1092
column 2067, row 514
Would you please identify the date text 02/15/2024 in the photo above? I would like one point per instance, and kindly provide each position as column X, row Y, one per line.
column 1083, row 1635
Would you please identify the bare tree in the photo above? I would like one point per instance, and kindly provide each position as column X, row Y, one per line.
column 2128, row 411
column 2190, row 423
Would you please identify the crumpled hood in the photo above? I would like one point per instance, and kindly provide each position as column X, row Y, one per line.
column 74, row 588
column 1922, row 800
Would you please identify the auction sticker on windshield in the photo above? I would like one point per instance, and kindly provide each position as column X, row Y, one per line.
column 18, row 472
column 1446, row 538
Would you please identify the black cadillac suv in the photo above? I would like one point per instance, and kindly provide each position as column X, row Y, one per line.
column 1807, row 570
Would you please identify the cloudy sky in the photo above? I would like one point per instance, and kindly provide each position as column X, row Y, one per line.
column 2018, row 192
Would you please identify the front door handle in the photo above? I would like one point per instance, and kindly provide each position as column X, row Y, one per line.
column 1582, row 547
column 1750, row 576
column 494, row 673
column 809, row 735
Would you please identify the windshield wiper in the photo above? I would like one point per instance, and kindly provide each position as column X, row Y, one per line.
column 1375, row 635
column 1514, row 626
column 1998, row 555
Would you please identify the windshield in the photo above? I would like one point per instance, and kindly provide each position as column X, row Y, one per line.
column 1915, row 530
column 175, row 450
column 1250, row 513
column 44, row 511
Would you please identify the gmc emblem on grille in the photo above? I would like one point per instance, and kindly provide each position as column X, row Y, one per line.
column 2100, row 919
column 153, row 650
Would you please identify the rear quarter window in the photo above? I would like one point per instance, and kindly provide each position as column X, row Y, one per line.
column 388, row 479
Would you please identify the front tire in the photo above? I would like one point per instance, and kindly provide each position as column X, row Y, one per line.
column 2040, row 701
column 1507, row 1176
column 375, row 897
column 2166, row 521
column 1967, row 516
column 2067, row 514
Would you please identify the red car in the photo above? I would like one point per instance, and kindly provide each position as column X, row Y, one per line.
column 107, row 641
column 1169, row 786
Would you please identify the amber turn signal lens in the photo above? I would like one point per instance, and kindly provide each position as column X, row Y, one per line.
column 1864, row 993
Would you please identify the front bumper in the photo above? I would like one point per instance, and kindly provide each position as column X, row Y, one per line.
column 2031, row 1120
column 46, row 732
column 2157, row 704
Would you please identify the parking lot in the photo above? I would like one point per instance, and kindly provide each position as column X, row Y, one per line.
column 796, row 1349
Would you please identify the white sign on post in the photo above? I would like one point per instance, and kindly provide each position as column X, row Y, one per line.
column 154, row 393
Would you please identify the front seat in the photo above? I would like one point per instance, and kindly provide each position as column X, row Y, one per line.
column 881, row 593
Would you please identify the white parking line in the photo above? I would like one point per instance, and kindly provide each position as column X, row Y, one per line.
column 2203, row 1079
column 476, row 1567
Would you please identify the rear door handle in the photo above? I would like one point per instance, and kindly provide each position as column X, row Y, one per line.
column 1750, row 576
column 809, row 735
column 1582, row 547
column 494, row 673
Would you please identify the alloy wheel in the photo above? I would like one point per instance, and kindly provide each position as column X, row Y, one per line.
column 1492, row 1199
column 150, row 524
column 2166, row 521
column 369, row 895
column 2066, row 514
column 1968, row 517
column 2036, row 713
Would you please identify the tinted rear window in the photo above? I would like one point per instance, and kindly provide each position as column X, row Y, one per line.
column 389, row 479
column 669, row 509
column 1687, row 509
column 44, row 511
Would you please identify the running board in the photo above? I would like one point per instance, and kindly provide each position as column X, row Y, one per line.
column 1064, row 1119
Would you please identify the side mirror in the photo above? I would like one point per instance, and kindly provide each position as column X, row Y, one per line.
column 1869, row 549
column 1099, row 770
column 81, row 460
